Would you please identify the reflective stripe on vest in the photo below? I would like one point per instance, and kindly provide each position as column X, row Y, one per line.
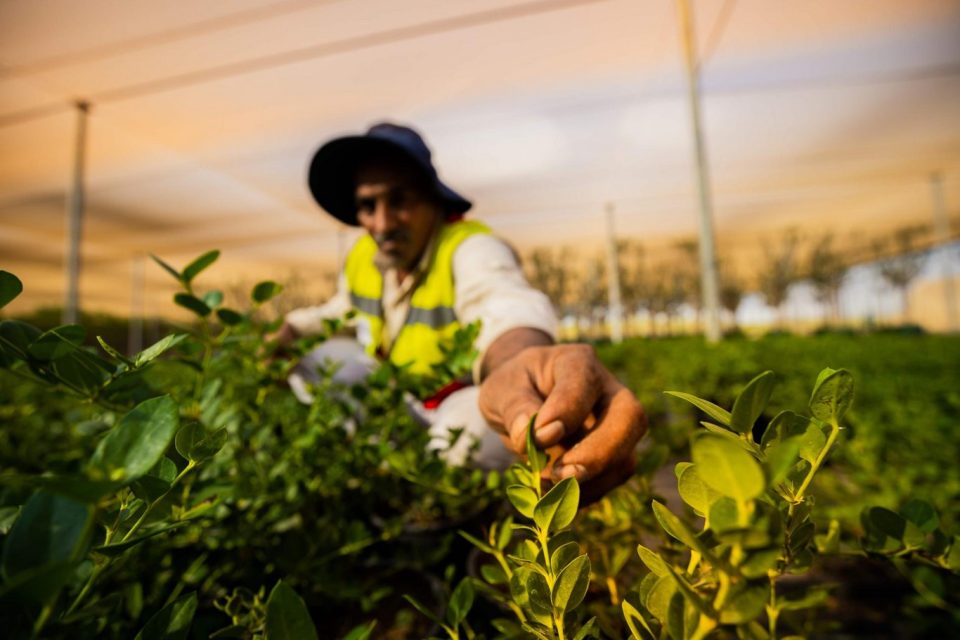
column 431, row 322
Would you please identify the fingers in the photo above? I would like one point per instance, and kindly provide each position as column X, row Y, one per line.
column 620, row 423
column 507, row 400
column 577, row 383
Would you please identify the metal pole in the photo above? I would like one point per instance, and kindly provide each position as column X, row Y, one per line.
column 135, row 323
column 75, row 204
column 708, row 261
column 613, row 273
column 941, row 225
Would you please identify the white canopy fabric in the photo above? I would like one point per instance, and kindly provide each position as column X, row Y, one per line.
column 817, row 114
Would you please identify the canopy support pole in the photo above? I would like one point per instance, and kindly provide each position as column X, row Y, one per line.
column 941, row 226
column 708, row 260
column 615, row 317
column 75, row 208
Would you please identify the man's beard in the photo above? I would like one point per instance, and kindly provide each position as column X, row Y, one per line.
column 386, row 260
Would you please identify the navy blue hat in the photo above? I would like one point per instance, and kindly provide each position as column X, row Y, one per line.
column 334, row 168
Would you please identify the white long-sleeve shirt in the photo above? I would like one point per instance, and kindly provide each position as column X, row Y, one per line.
column 489, row 286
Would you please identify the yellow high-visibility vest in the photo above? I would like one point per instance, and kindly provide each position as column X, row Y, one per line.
column 431, row 322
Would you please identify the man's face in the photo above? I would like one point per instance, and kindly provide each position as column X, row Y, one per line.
column 395, row 210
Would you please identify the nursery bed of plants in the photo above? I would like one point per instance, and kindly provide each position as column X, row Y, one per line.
column 183, row 492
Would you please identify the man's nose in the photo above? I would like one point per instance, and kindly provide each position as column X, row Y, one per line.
column 384, row 217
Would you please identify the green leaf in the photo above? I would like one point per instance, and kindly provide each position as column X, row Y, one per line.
column 832, row 395
column 658, row 598
column 692, row 596
column 635, row 622
column 194, row 443
column 10, row 288
column 571, row 585
column 229, row 317
column 461, row 600
column 887, row 522
column 563, row 555
column 172, row 622
column 493, row 574
column 751, row 402
column 694, row 491
column 784, row 425
column 192, row 303
column 263, row 291
column 422, row 608
column 478, row 543
column 138, row 441
column 724, row 515
column 193, row 269
column 952, row 557
column 679, row 529
column 727, row 468
column 780, row 458
column 213, row 298
column 113, row 353
column 717, row 413
column 167, row 268
column 155, row 350
column 113, row 550
column 360, row 632
column 652, row 560
column 589, row 630
column 745, row 603
column 759, row 562
column 922, row 514
column 16, row 337
column 287, row 615
column 504, row 533
column 557, row 509
column 51, row 530
column 524, row 499
column 536, row 459
column 58, row 342
column 538, row 593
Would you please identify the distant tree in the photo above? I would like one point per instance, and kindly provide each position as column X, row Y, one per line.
column 689, row 279
column 902, row 263
column 664, row 293
column 827, row 269
column 779, row 271
column 593, row 296
column 633, row 276
column 731, row 294
column 549, row 270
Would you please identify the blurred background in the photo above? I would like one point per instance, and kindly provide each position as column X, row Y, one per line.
column 831, row 137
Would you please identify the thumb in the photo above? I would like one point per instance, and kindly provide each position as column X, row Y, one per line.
column 509, row 411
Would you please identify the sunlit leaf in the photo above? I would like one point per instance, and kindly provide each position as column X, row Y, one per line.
column 751, row 402
column 719, row 414
column 557, row 509
column 832, row 394
column 727, row 468
column 138, row 441
column 172, row 622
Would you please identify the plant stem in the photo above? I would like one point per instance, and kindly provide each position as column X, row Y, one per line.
column 143, row 516
column 834, row 430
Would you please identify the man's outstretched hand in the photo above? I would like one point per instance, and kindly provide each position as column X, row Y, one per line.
column 589, row 420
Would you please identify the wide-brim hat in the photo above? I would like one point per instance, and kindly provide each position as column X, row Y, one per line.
column 333, row 171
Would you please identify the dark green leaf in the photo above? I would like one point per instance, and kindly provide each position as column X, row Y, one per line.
column 193, row 269
column 719, row 414
column 51, row 530
column 287, row 615
column 727, row 468
column 832, row 395
column 113, row 353
column 167, row 268
column 589, row 630
column 536, row 459
column 138, row 441
column 922, row 514
column 461, row 600
column 118, row 548
column 361, row 632
column 192, row 303
column 887, row 522
column 10, row 287
column 264, row 291
column 16, row 337
column 751, row 402
column 780, row 458
column 58, row 342
column 784, row 425
column 557, row 509
column 229, row 317
column 172, row 622
column 194, row 443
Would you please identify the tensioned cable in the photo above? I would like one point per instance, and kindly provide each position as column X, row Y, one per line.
column 355, row 43
column 146, row 41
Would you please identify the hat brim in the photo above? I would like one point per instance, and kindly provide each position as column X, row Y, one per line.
column 333, row 172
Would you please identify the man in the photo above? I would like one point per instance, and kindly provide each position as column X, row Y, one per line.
column 421, row 271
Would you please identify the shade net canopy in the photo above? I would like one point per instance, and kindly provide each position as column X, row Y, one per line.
column 817, row 115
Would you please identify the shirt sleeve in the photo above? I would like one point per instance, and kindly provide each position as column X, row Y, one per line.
column 490, row 287
column 309, row 320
